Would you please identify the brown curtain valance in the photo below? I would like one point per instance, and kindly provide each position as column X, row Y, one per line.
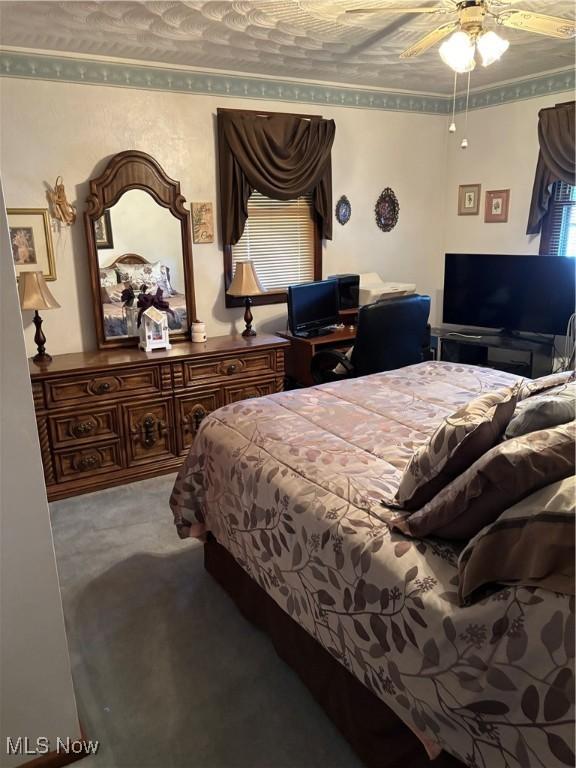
column 281, row 156
column 556, row 162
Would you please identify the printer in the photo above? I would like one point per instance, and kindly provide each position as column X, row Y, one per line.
column 373, row 288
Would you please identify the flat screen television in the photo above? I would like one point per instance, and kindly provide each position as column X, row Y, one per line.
column 313, row 306
column 509, row 293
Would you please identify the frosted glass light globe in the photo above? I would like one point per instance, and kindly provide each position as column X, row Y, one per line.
column 458, row 52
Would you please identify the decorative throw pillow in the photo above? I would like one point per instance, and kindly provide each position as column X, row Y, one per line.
column 530, row 544
column 153, row 276
column 108, row 277
column 542, row 411
column 501, row 477
column 455, row 445
column 537, row 386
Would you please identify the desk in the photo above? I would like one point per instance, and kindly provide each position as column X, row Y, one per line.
column 301, row 351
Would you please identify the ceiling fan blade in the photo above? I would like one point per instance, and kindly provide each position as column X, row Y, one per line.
column 551, row 26
column 398, row 9
column 429, row 40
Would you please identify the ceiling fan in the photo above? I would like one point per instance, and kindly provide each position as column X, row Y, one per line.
column 469, row 33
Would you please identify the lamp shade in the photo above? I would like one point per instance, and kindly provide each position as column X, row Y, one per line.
column 34, row 293
column 245, row 281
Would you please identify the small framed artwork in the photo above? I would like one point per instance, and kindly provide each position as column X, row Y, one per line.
column 469, row 200
column 103, row 231
column 31, row 241
column 496, row 207
column 202, row 223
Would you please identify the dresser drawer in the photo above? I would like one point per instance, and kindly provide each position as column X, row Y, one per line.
column 224, row 368
column 102, row 386
column 192, row 409
column 99, row 423
column 246, row 390
column 91, row 460
column 149, row 431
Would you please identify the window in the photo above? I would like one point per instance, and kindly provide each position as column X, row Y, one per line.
column 281, row 237
column 559, row 227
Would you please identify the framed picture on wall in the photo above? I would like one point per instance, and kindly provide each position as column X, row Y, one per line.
column 496, row 206
column 103, row 231
column 31, row 241
column 202, row 223
column 469, row 199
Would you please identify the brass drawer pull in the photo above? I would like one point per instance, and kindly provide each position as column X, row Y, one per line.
column 149, row 430
column 88, row 462
column 82, row 428
column 230, row 367
column 104, row 386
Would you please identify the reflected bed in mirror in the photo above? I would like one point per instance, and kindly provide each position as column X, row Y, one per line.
column 138, row 236
column 152, row 235
column 133, row 271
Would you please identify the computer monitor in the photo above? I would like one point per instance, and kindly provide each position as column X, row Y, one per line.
column 312, row 307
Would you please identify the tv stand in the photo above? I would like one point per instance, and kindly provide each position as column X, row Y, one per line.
column 512, row 352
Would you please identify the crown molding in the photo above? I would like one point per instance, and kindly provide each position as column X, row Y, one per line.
column 97, row 71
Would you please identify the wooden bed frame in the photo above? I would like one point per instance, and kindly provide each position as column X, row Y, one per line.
column 376, row 734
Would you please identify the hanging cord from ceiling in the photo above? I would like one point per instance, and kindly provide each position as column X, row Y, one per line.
column 452, row 127
column 464, row 144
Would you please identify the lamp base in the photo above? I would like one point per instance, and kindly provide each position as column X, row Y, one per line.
column 248, row 331
column 40, row 341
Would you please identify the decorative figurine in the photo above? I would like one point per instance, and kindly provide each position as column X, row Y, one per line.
column 61, row 208
column 153, row 320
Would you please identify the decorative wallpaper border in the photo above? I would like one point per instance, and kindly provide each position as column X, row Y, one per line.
column 93, row 72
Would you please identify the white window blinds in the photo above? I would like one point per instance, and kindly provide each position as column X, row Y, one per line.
column 279, row 239
column 560, row 235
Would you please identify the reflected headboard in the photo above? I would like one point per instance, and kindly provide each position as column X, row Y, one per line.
column 128, row 258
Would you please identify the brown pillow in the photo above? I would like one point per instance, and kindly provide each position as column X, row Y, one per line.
column 455, row 445
column 530, row 544
column 537, row 386
column 506, row 474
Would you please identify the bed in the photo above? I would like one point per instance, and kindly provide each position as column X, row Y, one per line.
column 288, row 490
column 113, row 310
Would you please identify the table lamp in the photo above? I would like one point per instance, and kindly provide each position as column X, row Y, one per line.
column 246, row 284
column 34, row 294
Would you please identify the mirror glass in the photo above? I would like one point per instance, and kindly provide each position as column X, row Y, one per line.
column 139, row 244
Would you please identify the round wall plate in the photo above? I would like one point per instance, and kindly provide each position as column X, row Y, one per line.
column 343, row 210
column 386, row 210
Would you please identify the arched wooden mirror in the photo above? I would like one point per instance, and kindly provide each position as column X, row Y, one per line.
column 138, row 233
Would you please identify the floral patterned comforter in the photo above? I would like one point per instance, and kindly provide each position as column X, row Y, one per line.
column 291, row 485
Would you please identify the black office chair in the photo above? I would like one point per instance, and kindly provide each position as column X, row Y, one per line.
column 391, row 334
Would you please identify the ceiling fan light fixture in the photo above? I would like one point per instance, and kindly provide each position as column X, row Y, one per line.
column 458, row 52
column 491, row 47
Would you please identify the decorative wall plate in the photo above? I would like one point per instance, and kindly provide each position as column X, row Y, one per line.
column 343, row 210
column 386, row 210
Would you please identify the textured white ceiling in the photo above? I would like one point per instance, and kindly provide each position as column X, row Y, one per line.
column 308, row 39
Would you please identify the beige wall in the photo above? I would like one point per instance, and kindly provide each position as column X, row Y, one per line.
column 502, row 154
column 36, row 694
column 49, row 129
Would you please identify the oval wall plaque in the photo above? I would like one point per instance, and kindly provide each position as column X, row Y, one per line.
column 343, row 210
column 386, row 210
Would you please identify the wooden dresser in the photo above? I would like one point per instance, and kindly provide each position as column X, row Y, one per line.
column 111, row 417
